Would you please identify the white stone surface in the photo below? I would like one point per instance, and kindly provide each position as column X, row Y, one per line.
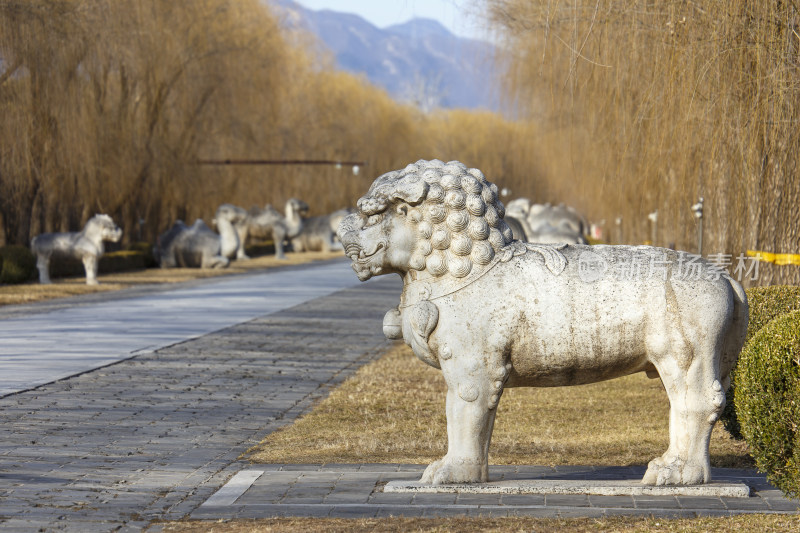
column 41, row 348
column 234, row 488
column 564, row 486
column 492, row 312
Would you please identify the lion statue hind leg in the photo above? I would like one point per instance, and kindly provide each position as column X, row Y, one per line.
column 43, row 266
column 696, row 399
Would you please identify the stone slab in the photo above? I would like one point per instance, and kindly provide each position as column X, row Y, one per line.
column 611, row 487
column 234, row 488
column 357, row 490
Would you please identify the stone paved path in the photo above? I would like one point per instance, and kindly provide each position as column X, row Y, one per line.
column 153, row 436
column 52, row 340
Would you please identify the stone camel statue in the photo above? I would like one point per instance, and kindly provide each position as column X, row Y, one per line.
column 268, row 223
column 86, row 245
column 319, row 233
column 198, row 246
column 233, row 231
column 492, row 312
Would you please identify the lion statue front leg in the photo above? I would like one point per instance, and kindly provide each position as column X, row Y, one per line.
column 90, row 267
column 474, row 387
column 43, row 266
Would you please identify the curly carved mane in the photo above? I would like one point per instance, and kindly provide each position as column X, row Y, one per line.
column 458, row 215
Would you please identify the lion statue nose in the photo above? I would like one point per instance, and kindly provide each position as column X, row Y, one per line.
column 348, row 226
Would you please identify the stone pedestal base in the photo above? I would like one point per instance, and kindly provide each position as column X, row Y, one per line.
column 597, row 487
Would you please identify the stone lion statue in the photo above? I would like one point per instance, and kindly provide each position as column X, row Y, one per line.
column 492, row 312
column 86, row 245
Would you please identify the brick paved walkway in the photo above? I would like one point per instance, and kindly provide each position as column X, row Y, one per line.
column 43, row 342
column 155, row 435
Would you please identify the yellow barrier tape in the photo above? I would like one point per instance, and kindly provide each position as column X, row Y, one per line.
column 778, row 259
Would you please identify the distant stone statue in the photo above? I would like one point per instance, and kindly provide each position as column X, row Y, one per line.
column 233, row 228
column 268, row 223
column 517, row 212
column 86, row 245
column 199, row 246
column 318, row 234
column 492, row 312
column 548, row 224
column 195, row 246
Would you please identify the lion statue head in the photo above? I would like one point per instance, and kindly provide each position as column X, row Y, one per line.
column 103, row 227
column 441, row 218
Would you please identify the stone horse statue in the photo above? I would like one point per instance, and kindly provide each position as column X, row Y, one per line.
column 86, row 245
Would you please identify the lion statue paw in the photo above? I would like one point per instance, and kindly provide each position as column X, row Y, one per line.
column 454, row 470
column 674, row 471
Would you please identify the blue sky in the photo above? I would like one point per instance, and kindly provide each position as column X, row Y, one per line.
column 453, row 14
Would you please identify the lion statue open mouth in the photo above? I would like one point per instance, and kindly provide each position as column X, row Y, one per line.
column 492, row 313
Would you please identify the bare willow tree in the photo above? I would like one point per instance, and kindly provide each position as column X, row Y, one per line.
column 40, row 60
column 650, row 105
column 109, row 103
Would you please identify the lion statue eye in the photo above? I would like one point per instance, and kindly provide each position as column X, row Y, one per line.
column 374, row 219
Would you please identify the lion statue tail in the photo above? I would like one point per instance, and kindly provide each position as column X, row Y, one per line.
column 737, row 332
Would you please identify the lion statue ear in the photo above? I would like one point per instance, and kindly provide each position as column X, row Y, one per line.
column 410, row 192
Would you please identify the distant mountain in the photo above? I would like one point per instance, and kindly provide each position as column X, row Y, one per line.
column 418, row 61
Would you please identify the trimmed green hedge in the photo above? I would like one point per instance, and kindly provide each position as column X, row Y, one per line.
column 123, row 261
column 766, row 303
column 110, row 262
column 768, row 400
column 146, row 249
column 18, row 264
column 260, row 248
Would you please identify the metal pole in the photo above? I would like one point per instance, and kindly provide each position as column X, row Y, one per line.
column 697, row 209
column 653, row 217
column 700, row 238
column 280, row 162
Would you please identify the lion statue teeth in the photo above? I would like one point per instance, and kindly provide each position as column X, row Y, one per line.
column 492, row 312
column 86, row 245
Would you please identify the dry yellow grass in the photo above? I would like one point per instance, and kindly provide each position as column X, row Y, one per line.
column 732, row 524
column 61, row 288
column 392, row 411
